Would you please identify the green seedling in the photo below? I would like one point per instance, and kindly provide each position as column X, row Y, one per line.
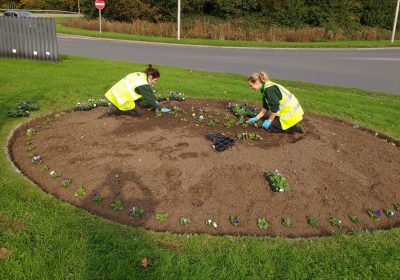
column 30, row 132
column 117, row 205
column 96, row 197
column 254, row 136
column 235, row 220
column 66, row 182
column 262, row 223
column 212, row 223
column 277, row 181
column 397, row 206
column 45, row 168
column 388, row 213
column 80, row 191
column 37, row 160
column 184, row 220
column 158, row 113
column 230, row 123
column 136, row 212
column 312, row 221
column 184, row 120
column 375, row 214
column 259, row 123
column 176, row 110
column 161, row 217
column 211, row 123
column 355, row 219
column 287, row 222
column 335, row 222
column 55, row 174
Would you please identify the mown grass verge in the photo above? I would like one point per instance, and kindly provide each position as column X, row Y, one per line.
column 55, row 240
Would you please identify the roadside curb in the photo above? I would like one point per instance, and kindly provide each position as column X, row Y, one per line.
column 94, row 38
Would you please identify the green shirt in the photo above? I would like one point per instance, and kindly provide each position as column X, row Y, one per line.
column 271, row 97
column 148, row 98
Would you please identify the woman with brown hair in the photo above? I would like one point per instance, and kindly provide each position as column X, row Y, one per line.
column 283, row 108
column 135, row 87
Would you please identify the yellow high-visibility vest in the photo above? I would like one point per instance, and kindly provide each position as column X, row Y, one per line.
column 290, row 112
column 123, row 94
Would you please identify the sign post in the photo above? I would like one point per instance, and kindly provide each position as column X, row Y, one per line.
column 100, row 6
column 395, row 20
column 178, row 35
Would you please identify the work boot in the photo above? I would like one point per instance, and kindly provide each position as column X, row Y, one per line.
column 299, row 129
column 112, row 110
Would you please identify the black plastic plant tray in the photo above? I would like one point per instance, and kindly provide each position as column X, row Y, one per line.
column 16, row 113
column 28, row 106
column 216, row 137
column 223, row 144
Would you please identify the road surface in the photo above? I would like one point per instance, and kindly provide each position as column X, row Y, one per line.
column 371, row 69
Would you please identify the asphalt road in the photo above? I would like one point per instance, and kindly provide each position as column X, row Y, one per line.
column 373, row 69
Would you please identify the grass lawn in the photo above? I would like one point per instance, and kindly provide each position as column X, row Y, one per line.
column 61, row 241
column 226, row 43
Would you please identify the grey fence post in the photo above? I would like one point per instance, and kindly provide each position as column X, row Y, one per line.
column 31, row 38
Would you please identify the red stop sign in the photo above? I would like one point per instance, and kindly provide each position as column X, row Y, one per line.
column 100, row 4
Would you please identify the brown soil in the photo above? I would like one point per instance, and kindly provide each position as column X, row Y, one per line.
column 165, row 164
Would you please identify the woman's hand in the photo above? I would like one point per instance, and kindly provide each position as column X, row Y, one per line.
column 266, row 124
column 270, row 119
column 252, row 120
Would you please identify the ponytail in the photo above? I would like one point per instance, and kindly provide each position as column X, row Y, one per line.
column 150, row 71
column 258, row 76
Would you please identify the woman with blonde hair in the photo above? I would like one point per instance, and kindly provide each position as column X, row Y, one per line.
column 285, row 112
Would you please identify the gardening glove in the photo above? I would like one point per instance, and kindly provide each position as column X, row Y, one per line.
column 266, row 124
column 165, row 110
column 252, row 120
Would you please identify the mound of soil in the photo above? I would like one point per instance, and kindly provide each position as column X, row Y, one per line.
column 166, row 165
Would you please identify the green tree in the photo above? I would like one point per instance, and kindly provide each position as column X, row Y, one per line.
column 378, row 13
column 334, row 14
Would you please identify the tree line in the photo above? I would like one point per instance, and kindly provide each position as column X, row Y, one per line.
column 330, row 14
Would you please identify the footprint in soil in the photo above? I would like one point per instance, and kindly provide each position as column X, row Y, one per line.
column 188, row 155
column 166, row 153
column 199, row 194
column 182, row 145
column 156, row 139
column 173, row 180
column 116, row 180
